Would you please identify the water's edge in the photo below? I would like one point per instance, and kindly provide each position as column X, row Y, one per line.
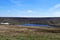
column 40, row 25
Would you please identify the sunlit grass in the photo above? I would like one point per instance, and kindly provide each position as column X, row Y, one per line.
column 26, row 33
column 42, row 36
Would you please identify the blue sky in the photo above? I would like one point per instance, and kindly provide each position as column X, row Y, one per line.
column 29, row 8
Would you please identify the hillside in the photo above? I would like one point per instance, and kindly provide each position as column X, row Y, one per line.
column 53, row 21
column 15, row 32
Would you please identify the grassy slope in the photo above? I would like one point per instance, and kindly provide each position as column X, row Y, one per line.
column 10, row 32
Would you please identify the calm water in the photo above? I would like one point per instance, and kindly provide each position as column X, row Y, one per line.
column 40, row 25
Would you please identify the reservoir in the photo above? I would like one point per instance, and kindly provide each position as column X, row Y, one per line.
column 37, row 25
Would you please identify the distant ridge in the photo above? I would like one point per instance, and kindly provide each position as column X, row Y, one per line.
column 53, row 21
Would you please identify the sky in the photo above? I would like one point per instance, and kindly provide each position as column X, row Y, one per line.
column 29, row 8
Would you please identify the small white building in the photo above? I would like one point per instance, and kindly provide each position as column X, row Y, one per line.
column 5, row 23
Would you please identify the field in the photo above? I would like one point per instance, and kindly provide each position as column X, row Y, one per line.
column 15, row 32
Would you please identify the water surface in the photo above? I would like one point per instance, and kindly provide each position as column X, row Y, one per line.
column 40, row 25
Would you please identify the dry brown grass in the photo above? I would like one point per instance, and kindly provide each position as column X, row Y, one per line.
column 20, row 29
column 15, row 32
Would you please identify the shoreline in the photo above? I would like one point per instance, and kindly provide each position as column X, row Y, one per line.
column 26, row 28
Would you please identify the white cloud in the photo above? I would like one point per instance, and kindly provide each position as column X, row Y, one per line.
column 54, row 11
column 54, row 8
column 57, row 6
column 29, row 11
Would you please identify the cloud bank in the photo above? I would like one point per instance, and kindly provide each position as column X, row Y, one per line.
column 54, row 7
column 53, row 12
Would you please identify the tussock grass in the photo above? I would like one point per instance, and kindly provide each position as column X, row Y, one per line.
column 14, row 32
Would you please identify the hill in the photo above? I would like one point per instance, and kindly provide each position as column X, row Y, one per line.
column 53, row 21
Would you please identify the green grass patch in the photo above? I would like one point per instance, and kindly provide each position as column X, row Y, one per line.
column 42, row 36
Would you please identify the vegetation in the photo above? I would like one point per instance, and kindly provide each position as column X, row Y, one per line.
column 30, row 36
column 14, row 32
column 52, row 21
